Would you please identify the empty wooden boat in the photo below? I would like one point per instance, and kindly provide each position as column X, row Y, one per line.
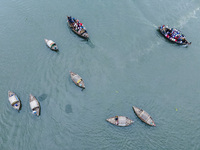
column 34, row 104
column 77, row 80
column 144, row 116
column 77, row 27
column 14, row 100
column 51, row 44
column 121, row 121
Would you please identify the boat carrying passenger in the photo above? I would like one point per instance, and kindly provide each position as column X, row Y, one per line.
column 174, row 35
column 77, row 27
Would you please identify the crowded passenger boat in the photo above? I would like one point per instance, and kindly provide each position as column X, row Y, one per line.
column 77, row 27
column 174, row 35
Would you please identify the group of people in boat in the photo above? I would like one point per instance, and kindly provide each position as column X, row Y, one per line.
column 78, row 26
column 173, row 34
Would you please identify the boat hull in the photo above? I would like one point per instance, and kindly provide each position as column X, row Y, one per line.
column 83, row 32
column 144, row 116
column 34, row 104
column 14, row 100
column 163, row 30
column 77, row 80
column 51, row 44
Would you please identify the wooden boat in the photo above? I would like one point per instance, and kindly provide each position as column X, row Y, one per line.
column 14, row 100
column 121, row 121
column 173, row 35
column 144, row 116
column 73, row 25
column 34, row 104
column 77, row 80
column 51, row 44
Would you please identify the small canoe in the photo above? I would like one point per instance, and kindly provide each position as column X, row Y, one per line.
column 144, row 116
column 121, row 121
column 34, row 104
column 14, row 100
column 77, row 27
column 77, row 80
column 51, row 44
column 173, row 35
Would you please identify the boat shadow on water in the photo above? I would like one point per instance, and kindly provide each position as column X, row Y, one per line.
column 42, row 97
column 19, row 108
column 89, row 42
column 68, row 108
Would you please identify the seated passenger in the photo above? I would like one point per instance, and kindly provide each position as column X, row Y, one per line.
column 77, row 21
column 75, row 25
column 183, row 39
column 71, row 20
column 178, row 38
column 167, row 30
column 79, row 30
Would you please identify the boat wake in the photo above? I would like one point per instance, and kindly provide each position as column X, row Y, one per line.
column 147, row 22
column 184, row 20
column 89, row 42
column 185, row 45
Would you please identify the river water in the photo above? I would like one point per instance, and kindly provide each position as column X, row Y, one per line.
column 126, row 63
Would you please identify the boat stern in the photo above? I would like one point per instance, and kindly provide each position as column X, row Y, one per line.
column 81, row 84
column 55, row 48
column 17, row 105
column 86, row 35
column 36, row 111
